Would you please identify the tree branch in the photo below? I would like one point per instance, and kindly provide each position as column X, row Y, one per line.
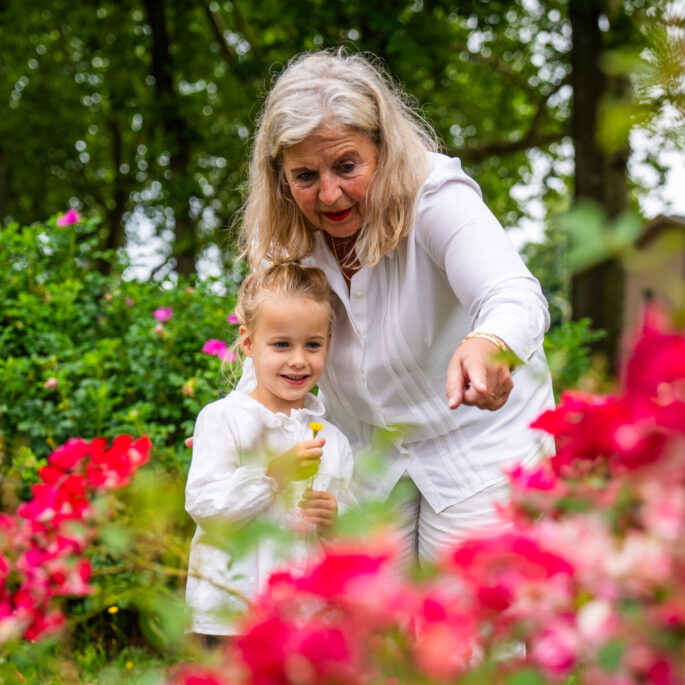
column 242, row 26
column 493, row 61
column 506, row 147
column 216, row 24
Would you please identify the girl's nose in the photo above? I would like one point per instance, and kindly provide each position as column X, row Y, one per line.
column 329, row 189
column 297, row 357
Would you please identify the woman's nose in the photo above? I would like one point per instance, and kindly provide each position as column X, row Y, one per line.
column 329, row 189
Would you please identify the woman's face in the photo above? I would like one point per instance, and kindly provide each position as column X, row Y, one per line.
column 329, row 174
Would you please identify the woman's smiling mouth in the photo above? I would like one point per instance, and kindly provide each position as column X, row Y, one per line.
column 338, row 216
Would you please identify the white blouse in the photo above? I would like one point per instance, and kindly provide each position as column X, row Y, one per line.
column 396, row 331
column 233, row 441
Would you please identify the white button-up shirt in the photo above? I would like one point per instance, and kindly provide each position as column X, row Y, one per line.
column 233, row 442
column 396, row 331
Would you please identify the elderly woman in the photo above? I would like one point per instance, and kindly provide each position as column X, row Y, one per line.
column 345, row 176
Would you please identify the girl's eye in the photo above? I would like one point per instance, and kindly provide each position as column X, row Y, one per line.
column 314, row 345
column 281, row 344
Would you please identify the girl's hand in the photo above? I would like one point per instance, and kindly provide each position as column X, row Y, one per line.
column 299, row 463
column 319, row 508
column 476, row 377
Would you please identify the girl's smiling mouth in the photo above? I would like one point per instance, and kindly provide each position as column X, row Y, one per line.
column 338, row 216
column 294, row 379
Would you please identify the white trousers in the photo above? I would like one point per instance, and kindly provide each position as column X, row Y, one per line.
column 424, row 536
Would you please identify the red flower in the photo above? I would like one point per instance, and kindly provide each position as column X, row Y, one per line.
column 279, row 653
column 590, row 427
column 114, row 467
column 197, row 675
column 657, row 359
column 336, row 570
column 500, row 567
column 264, row 648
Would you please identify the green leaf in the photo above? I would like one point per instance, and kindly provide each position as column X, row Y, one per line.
column 525, row 677
column 610, row 654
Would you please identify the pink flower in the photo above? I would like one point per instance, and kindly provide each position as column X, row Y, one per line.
column 71, row 217
column 557, row 648
column 163, row 314
column 194, row 674
column 232, row 318
column 592, row 427
column 114, row 467
column 218, row 348
column 50, row 383
column 130, row 302
column 502, row 568
column 658, row 359
column 447, row 637
column 159, row 330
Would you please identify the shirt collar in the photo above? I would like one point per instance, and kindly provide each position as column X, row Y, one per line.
column 313, row 406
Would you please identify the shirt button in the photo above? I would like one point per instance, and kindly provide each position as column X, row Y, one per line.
column 359, row 294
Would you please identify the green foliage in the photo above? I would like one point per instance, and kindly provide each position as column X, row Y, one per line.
column 81, row 353
column 568, row 349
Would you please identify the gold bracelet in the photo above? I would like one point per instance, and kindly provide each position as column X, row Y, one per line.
column 501, row 345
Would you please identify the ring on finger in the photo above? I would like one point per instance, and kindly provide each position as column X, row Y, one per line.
column 494, row 396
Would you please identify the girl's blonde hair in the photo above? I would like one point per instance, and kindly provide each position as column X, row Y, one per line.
column 284, row 278
column 333, row 87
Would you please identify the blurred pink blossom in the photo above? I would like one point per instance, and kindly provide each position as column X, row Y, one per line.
column 163, row 314
column 218, row 348
column 232, row 318
column 557, row 648
column 71, row 217
column 159, row 329
column 130, row 302
column 50, row 383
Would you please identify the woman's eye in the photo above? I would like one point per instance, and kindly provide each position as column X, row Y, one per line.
column 305, row 176
column 346, row 168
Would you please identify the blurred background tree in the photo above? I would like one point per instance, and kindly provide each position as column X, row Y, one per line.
column 141, row 112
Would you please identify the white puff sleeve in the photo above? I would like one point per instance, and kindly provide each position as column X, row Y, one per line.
column 219, row 486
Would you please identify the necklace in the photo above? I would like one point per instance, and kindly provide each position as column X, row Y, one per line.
column 346, row 245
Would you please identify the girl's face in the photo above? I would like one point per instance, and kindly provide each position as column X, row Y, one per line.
column 329, row 174
column 288, row 346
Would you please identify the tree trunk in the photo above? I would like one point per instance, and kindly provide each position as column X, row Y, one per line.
column 176, row 134
column 596, row 293
column 114, row 222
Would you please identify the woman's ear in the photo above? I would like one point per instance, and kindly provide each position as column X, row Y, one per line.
column 245, row 341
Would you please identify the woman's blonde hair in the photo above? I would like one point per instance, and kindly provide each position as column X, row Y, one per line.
column 283, row 278
column 333, row 87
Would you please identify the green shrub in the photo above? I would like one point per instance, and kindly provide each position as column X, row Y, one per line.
column 80, row 354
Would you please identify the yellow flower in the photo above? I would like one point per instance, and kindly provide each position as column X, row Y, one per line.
column 129, row 665
column 316, row 427
column 113, row 610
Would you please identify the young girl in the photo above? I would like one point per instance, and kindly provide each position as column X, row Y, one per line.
column 255, row 454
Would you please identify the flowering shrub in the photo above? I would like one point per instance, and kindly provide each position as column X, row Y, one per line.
column 83, row 352
column 586, row 576
column 41, row 545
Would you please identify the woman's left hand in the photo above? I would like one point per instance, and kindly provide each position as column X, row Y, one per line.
column 476, row 377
